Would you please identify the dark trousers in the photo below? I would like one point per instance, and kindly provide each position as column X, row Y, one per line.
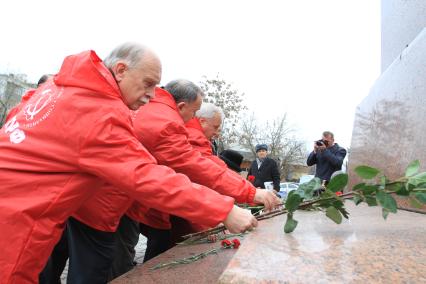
column 95, row 256
column 91, row 253
column 52, row 272
column 158, row 241
column 127, row 237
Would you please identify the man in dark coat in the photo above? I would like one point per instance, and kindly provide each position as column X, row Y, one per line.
column 327, row 155
column 264, row 169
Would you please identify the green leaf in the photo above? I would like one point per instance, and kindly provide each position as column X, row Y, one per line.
column 386, row 201
column 337, row 203
column 366, row 172
column 358, row 186
column 421, row 185
column 396, row 186
column 344, row 212
column 327, row 194
column 334, row 214
column 420, row 196
column 357, row 199
column 293, row 201
column 290, row 224
column 385, row 213
column 338, row 182
column 417, row 179
column 371, row 201
column 413, row 168
column 402, row 191
column 369, row 189
column 309, row 187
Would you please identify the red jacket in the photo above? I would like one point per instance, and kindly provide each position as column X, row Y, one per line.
column 198, row 141
column 72, row 135
column 162, row 131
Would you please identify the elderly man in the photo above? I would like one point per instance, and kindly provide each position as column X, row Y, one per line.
column 264, row 169
column 103, row 212
column 202, row 129
column 74, row 134
column 167, row 140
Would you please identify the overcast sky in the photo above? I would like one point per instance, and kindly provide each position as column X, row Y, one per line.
column 315, row 60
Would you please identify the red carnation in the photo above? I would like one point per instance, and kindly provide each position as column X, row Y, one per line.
column 236, row 243
column 251, row 178
column 226, row 243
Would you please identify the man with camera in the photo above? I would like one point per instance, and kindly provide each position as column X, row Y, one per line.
column 327, row 155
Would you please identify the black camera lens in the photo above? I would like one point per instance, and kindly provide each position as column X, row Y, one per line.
column 319, row 143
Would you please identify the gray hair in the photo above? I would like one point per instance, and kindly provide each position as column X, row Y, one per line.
column 208, row 110
column 129, row 52
column 183, row 90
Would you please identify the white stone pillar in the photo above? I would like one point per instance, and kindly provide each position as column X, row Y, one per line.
column 402, row 21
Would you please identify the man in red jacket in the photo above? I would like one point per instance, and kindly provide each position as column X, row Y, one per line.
column 72, row 135
column 167, row 140
column 176, row 110
column 202, row 129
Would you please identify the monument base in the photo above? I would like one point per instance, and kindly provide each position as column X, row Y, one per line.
column 364, row 248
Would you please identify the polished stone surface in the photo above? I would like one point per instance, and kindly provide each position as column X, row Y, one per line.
column 207, row 270
column 365, row 248
column 390, row 124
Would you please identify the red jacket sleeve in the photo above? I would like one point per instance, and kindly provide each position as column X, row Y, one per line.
column 172, row 148
column 111, row 152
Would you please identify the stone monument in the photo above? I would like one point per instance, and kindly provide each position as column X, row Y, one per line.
column 390, row 123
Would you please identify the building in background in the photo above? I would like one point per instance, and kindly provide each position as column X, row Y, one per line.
column 12, row 87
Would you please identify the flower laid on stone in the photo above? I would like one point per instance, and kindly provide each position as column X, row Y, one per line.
column 225, row 244
column 236, row 243
column 228, row 244
column 207, row 239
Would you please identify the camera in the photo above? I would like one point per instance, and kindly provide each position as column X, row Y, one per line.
column 321, row 142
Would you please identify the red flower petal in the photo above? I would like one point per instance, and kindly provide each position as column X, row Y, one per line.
column 236, row 243
column 226, row 243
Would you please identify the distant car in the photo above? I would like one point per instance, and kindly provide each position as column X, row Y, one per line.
column 286, row 187
column 305, row 178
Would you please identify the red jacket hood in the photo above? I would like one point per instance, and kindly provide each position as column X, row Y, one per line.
column 86, row 70
column 164, row 97
column 194, row 123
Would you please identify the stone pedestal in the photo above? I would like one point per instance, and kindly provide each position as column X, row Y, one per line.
column 364, row 249
column 390, row 124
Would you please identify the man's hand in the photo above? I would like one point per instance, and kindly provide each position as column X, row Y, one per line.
column 319, row 148
column 239, row 220
column 267, row 198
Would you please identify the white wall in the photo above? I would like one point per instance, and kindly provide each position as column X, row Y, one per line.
column 402, row 21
